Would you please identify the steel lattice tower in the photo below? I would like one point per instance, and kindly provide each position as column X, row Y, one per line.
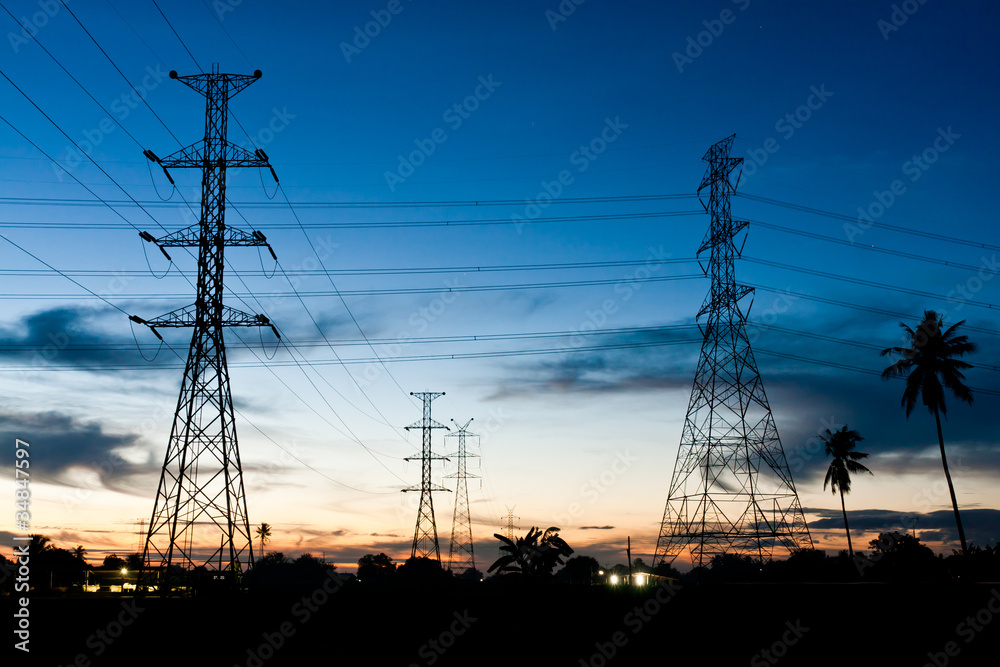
column 425, row 536
column 732, row 491
column 461, row 557
column 201, row 484
column 510, row 523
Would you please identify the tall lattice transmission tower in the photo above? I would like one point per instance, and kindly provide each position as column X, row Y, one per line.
column 731, row 491
column 201, row 484
column 140, row 534
column 509, row 528
column 461, row 557
column 425, row 536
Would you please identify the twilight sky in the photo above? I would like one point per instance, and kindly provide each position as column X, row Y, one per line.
column 561, row 143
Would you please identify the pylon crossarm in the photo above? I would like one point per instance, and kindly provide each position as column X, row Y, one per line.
column 233, row 83
column 237, row 156
column 455, row 475
column 187, row 317
column 189, row 157
column 430, row 424
column 193, row 157
column 190, row 237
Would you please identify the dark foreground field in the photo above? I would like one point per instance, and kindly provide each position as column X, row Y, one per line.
column 726, row 624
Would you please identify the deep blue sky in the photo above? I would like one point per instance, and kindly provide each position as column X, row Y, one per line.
column 334, row 125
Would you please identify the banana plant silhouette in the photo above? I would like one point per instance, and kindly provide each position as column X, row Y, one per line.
column 535, row 555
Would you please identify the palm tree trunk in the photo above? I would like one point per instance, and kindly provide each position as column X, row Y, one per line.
column 843, row 508
column 951, row 487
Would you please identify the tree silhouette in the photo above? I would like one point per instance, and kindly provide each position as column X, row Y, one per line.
column 534, row 555
column 80, row 552
column 39, row 544
column 582, row 569
column 840, row 445
column 733, row 567
column 371, row 566
column 930, row 365
column 901, row 557
column 263, row 531
column 113, row 562
column 421, row 570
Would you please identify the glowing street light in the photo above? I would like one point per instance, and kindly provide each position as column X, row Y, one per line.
column 614, row 579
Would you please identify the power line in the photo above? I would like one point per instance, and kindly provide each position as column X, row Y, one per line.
column 389, row 292
column 470, row 338
column 86, row 289
column 75, row 80
column 178, row 36
column 383, row 271
column 652, row 215
column 854, row 306
column 483, row 338
column 276, row 444
column 872, row 248
column 215, row 15
column 374, row 204
column 141, row 97
column 340, row 295
column 869, row 223
column 467, row 356
column 350, row 434
column 234, row 208
column 867, row 283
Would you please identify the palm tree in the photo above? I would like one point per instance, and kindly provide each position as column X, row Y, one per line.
column 80, row 552
column 929, row 365
column 264, row 533
column 840, row 445
column 39, row 544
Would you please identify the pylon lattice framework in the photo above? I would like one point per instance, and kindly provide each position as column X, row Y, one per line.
column 425, row 537
column 201, row 484
column 509, row 528
column 731, row 490
column 461, row 557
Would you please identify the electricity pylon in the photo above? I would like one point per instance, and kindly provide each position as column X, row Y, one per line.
column 461, row 557
column 425, row 535
column 201, row 484
column 510, row 522
column 731, row 491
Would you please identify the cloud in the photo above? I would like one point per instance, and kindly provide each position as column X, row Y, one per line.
column 982, row 526
column 62, row 446
column 103, row 340
column 65, row 335
column 596, row 528
column 805, row 406
column 641, row 364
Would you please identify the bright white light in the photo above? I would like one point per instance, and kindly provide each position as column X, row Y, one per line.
column 600, row 572
column 614, row 579
column 124, row 571
column 640, row 579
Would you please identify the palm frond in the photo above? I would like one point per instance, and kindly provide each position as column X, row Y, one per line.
column 854, row 466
